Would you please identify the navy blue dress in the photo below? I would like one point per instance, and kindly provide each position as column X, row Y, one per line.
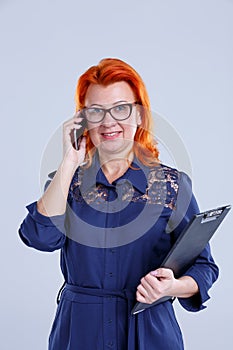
column 110, row 237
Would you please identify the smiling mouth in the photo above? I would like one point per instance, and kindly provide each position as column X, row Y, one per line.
column 110, row 134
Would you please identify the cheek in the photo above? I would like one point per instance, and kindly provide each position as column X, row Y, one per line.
column 131, row 133
column 130, row 130
column 93, row 133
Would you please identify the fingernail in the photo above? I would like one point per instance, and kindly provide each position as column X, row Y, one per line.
column 154, row 273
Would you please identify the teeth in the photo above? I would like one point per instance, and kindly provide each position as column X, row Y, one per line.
column 111, row 134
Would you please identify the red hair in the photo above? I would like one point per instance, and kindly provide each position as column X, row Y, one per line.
column 109, row 71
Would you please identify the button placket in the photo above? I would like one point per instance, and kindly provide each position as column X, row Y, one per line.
column 110, row 325
column 110, row 304
column 110, row 283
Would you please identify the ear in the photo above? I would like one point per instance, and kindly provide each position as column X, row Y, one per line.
column 139, row 120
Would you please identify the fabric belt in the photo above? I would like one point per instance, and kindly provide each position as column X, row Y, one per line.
column 136, row 323
column 127, row 294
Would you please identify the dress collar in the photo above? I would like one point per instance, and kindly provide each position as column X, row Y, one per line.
column 136, row 175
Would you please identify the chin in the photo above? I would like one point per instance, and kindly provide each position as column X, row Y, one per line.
column 121, row 148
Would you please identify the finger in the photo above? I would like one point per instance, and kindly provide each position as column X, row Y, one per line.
column 148, row 283
column 142, row 290
column 162, row 273
column 67, row 130
column 70, row 120
column 70, row 124
column 77, row 113
column 143, row 295
column 76, row 126
column 78, row 118
column 82, row 145
column 140, row 297
column 153, row 282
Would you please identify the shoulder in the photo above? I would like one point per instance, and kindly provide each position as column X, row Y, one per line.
column 162, row 172
column 167, row 183
column 167, row 173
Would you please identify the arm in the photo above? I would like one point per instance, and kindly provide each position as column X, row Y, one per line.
column 44, row 226
column 192, row 288
column 53, row 202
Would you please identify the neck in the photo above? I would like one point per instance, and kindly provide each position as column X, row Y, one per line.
column 115, row 167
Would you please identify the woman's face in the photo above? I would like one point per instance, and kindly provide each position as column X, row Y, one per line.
column 111, row 136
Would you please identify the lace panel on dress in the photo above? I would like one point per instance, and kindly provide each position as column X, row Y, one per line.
column 162, row 189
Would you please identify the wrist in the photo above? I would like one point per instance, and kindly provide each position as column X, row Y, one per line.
column 184, row 287
column 68, row 166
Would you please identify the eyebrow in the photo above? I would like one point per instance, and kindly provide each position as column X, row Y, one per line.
column 115, row 103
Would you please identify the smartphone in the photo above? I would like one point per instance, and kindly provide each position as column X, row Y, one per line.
column 77, row 134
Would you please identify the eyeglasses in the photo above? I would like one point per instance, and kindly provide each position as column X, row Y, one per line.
column 118, row 112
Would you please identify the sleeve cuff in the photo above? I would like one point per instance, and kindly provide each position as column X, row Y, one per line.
column 57, row 220
column 195, row 303
column 42, row 232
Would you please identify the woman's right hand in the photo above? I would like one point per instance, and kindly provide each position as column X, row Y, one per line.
column 70, row 154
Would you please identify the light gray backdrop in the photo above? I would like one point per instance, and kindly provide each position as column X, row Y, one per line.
column 183, row 51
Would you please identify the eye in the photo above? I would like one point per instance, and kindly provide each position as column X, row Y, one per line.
column 92, row 111
column 121, row 108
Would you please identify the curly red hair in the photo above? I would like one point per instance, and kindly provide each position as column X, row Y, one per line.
column 109, row 71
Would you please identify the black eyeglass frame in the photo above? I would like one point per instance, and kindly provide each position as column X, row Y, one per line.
column 108, row 110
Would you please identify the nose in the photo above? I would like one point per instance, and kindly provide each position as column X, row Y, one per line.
column 108, row 119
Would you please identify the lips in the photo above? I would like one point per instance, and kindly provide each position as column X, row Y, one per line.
column 111, row 135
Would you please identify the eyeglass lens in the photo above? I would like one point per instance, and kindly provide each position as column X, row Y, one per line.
column 119, row 112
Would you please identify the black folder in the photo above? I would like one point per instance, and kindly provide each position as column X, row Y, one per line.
column 188, row 246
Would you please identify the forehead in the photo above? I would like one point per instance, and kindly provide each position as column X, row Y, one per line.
column 107, row 95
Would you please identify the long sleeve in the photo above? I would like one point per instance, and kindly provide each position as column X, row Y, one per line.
column 42, row 232
column 204, row 271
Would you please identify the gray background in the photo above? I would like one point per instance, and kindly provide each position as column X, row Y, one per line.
column 183, row 51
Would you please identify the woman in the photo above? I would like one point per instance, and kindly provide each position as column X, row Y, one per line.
column 114, row 211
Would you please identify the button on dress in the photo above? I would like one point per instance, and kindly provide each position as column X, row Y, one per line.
column 109, row 238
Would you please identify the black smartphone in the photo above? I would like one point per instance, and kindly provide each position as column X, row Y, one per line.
column 76, row 135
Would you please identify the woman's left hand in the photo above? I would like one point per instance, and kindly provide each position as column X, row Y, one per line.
column 155, row 285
